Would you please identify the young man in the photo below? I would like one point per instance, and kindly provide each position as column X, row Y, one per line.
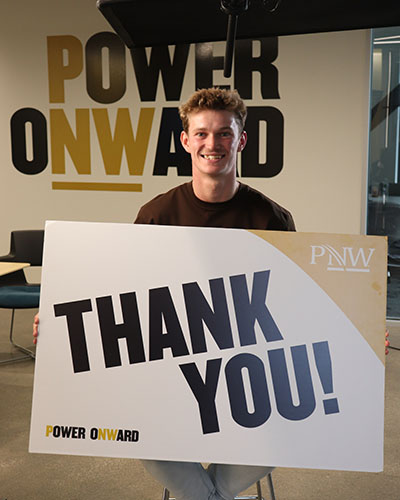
column 213, row 133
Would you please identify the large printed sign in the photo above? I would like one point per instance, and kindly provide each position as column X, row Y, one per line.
column 211, row 345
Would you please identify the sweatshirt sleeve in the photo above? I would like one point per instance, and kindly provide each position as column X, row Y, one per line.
column 144, row 216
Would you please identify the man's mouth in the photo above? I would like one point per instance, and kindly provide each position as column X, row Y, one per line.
column 212, row 157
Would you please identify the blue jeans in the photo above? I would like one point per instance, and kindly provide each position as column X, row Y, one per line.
column 190, row 481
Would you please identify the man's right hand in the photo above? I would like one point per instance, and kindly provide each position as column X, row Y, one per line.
column 35, row 328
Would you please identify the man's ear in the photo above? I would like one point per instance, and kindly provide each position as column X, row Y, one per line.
column 185, row 141
column 242, row 141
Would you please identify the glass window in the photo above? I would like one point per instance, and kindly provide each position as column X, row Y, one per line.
column 383, row 214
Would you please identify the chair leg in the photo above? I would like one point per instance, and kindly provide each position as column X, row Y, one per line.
column 27, row 352
column 248, row 497
column 252, row 497
column 271, row 486
column 259, row 493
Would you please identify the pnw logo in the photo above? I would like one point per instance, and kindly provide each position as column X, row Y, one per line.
column 346, row 259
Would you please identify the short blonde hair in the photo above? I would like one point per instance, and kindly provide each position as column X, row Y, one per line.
column 214, row 99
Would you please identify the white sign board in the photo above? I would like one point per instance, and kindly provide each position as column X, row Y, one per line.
column 211, row 345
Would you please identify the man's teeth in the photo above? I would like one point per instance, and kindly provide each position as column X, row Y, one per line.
column 212, row 157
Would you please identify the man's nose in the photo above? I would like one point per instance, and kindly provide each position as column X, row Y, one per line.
column 211, row 141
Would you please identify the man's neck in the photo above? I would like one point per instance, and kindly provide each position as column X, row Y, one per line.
column 215, row 190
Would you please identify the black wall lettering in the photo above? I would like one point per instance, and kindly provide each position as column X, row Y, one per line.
column 39, row 141
column 171, row 125
column 130, row 329
column 94, row 68
column 251, row 166
column 76, row 331
column 205, row 64
column 172, row 73
column 205, row 392
column 246, row 64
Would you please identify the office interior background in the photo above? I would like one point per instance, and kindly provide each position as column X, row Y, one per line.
column 324, row 128
column 316, row 88
column 69, row 88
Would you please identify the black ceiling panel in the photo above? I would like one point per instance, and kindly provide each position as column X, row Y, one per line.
column 142, row 23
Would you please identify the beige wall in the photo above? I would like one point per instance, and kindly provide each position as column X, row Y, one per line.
column 323, row 86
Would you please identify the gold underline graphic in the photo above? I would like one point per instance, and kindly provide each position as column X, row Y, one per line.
column 97, row 186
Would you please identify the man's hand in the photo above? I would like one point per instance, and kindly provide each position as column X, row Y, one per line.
column 387, row 343
column 35, row 328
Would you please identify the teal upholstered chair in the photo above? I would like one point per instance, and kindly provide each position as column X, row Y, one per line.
column 15, row 291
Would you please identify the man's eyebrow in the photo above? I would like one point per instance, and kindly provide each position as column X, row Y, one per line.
column 200, row 129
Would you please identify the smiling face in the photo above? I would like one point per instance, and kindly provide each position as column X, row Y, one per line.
column 213, row 140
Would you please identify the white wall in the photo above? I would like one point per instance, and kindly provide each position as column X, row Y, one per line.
column 323, row 86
